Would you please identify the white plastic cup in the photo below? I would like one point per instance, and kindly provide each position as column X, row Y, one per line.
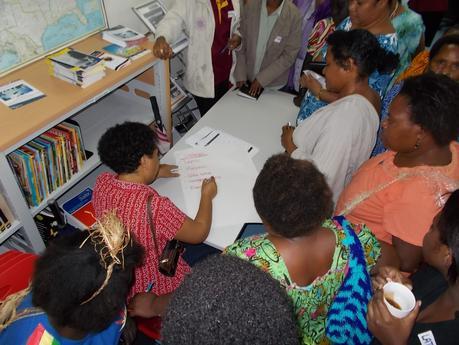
column 402, row 296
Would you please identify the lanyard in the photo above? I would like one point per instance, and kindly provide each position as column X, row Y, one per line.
column 220, row 5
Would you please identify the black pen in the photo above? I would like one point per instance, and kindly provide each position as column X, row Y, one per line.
column 215, row 137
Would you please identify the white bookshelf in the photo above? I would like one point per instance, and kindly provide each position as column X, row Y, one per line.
column 95, row 109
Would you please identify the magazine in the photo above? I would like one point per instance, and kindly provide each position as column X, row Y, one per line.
column 112, row 61
column 131, row 53
column 18, row 93
column 151, row 14
column 178, row 96
column 75, row 60
column 123, row 36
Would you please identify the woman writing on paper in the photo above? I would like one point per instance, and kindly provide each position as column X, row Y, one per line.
column 130, row 151
column 212, row 27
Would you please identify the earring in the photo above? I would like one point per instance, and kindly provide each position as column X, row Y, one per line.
column 418, row 142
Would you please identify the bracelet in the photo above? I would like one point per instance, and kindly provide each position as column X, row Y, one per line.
column 320, row 92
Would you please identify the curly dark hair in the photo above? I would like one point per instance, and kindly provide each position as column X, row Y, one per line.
column 227, row 301
column 66, row 275
column 292, row 196
column 121, row 147
column 444, row 41
column 363, row 48
column 448, row 226
column 434, row 105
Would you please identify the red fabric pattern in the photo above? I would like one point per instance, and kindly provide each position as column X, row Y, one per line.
column 129, row 200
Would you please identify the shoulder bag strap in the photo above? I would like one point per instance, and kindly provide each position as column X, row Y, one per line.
column 151, row 223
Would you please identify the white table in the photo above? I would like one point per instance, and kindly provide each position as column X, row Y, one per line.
column 257, row 122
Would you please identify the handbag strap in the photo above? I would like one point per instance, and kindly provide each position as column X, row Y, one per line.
column 151, row 223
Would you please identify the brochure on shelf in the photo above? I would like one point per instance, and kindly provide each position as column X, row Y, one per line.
column 131, row 53
column 123, row 36
column 74, row 60
column 19, row 93
column 112, row 61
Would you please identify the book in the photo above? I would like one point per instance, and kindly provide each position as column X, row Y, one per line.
column 132, row 53
column 123, row 36
column 244, row 92
column 84, row 155
column 151, row 13
column 79, row 210
column 6, row 216
column 112, row 61
column 74, row 60
column 19, row 93
column 178, row 96
column 76, row 75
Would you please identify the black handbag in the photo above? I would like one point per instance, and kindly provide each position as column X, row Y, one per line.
column 168, row 259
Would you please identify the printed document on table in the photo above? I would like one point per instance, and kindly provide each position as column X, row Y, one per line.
column 208, row 137
column 235, row 175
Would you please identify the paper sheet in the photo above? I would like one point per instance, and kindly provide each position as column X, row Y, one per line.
column 235, row 176
column 208, row 137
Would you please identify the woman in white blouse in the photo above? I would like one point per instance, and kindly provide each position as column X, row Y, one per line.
column 338, row 138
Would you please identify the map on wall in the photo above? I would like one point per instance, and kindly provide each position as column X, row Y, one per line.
column 30, row 29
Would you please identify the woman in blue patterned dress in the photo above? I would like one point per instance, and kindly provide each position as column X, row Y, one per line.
column 443, row 59
column 410, row 33
column 371, row 15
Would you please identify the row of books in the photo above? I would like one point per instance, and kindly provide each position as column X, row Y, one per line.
column 6, row 217
column 48, row 161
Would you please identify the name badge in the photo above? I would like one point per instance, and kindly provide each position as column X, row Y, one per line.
column 278, row 39
column 427, row 338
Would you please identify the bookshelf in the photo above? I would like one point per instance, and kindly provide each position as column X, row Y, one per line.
column 122, row 95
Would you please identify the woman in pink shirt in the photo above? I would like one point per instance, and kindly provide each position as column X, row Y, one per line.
column 397, row 193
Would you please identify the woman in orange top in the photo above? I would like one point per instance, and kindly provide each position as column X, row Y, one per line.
column 397, row 193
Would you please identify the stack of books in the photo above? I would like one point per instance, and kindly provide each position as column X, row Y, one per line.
column 48, row 161
column 123, row 36
column 76, row 67
column 125, row 43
